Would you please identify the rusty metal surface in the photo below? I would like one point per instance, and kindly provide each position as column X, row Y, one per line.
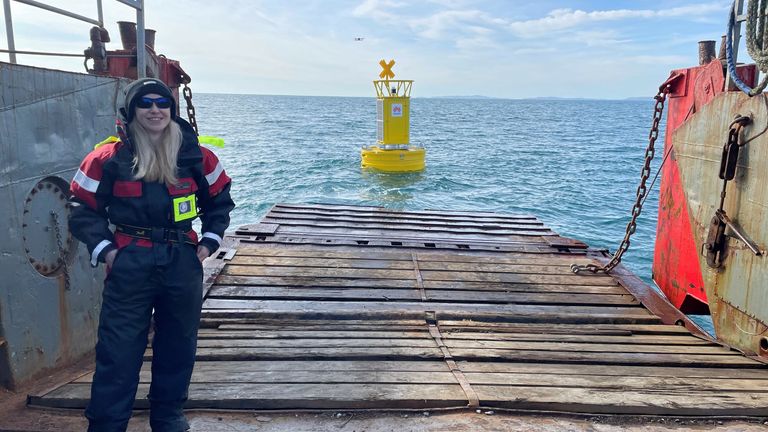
column 738, row 290
column 49, row 120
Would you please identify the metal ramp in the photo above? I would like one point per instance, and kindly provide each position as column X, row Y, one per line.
column 340, row 307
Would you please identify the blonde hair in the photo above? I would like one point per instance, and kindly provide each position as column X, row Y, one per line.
column 156, row 163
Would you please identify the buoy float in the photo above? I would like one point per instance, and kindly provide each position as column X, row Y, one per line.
column 392, row 151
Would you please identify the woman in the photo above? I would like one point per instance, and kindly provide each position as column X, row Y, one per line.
column 151, row 185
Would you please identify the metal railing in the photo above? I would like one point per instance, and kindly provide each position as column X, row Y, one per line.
column 141, row 53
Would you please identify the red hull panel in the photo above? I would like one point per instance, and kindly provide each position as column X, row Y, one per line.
column 676, row 268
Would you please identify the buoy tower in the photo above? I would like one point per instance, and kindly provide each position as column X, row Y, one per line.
column 393, row 151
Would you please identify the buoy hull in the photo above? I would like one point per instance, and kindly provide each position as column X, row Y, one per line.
column 393, row 160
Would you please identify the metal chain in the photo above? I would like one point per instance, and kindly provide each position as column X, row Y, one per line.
column 190, row 108
column 642, row 190
column 62, row 251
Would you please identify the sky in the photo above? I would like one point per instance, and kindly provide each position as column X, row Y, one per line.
column 495, row 48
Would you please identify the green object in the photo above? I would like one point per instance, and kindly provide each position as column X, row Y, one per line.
column 211, row 140
column 184, row 208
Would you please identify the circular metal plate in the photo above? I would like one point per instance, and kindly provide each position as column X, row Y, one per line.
column 45, row 226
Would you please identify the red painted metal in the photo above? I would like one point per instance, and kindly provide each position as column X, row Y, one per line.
column 676, row 268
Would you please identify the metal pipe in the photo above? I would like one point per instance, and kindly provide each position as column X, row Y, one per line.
column 100, row 11
column 43, row 53
column 9, row 31
column 141, row 49
column 136, row 4
column 738, row 6
column 706, row 52
column 60, row 11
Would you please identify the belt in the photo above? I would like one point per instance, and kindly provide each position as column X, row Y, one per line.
column 156, row 235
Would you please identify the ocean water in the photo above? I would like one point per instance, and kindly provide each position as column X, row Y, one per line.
column 575, row 164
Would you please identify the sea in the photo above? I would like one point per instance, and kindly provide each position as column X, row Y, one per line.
column 574, row 164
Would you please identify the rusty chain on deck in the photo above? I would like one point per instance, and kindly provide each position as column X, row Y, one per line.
column 642, row 189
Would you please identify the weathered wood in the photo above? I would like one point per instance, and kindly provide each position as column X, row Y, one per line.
column 381, row 333
column 384, row 333
column 267, row 292
column 311, row 343
column 344, row 307
column 240, row 292
column 402, row 310
column 571, row 279
column 322, row 262
column 620, row 401
column 693, row 372
column 285, row 396
column 307, row 281
column 438, row 214
column 369, row 225
column 283, row 216
column 632, row 359
column 519, row 258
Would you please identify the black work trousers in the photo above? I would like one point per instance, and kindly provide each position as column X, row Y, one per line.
column 166, row 278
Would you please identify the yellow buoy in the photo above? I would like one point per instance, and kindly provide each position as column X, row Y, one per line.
column 393, row 151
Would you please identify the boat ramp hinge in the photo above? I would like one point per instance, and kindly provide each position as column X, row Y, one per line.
column 714, row 247
column 225, row 254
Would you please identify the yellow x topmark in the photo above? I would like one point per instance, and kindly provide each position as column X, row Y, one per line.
column 387, row 73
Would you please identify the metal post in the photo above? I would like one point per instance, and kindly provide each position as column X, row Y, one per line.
column 100, row 12
column 9, row 31
column 141, row 50
column 738, row 7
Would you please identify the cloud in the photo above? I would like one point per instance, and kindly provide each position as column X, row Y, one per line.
column 450, row 24
column 562, row 19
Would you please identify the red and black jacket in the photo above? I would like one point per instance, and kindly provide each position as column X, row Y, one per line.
column 104, row 191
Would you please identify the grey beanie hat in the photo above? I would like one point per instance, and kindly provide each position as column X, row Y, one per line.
column 140, row 88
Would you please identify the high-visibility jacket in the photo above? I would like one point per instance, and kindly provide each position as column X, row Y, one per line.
column 104, row 191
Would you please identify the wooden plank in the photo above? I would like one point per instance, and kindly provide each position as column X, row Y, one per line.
column 586, row 347
column 493, row 267
column 307, row 281
column 327, row 309
column 630, row 359
column 310, row 353
column 620, row 383
column 683, row 340
column 282, row 215
column 571, row 279
column 323, row 224
column 285, row 396
column 395, row 233
column 619, row 401
column 311, row 343
column 519, row 258
column 323, row 293
column 383, row 334
column 359, row 210
column 322, row 262
column 524, row 287
column 246, row 292
column 311, row 272
column 311, row 334
column 470, row 325
column 692, row 373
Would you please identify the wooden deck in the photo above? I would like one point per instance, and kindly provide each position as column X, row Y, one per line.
column 337, row 307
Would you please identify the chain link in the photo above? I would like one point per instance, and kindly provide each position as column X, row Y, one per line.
column 62, row 252
column 642, row 189
column 190, row 108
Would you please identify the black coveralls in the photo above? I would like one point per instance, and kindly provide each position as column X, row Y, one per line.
column 161, row 273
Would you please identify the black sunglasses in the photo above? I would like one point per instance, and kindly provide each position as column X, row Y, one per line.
column 146, row 102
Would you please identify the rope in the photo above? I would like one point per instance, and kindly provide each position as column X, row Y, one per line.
column 757, row 44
